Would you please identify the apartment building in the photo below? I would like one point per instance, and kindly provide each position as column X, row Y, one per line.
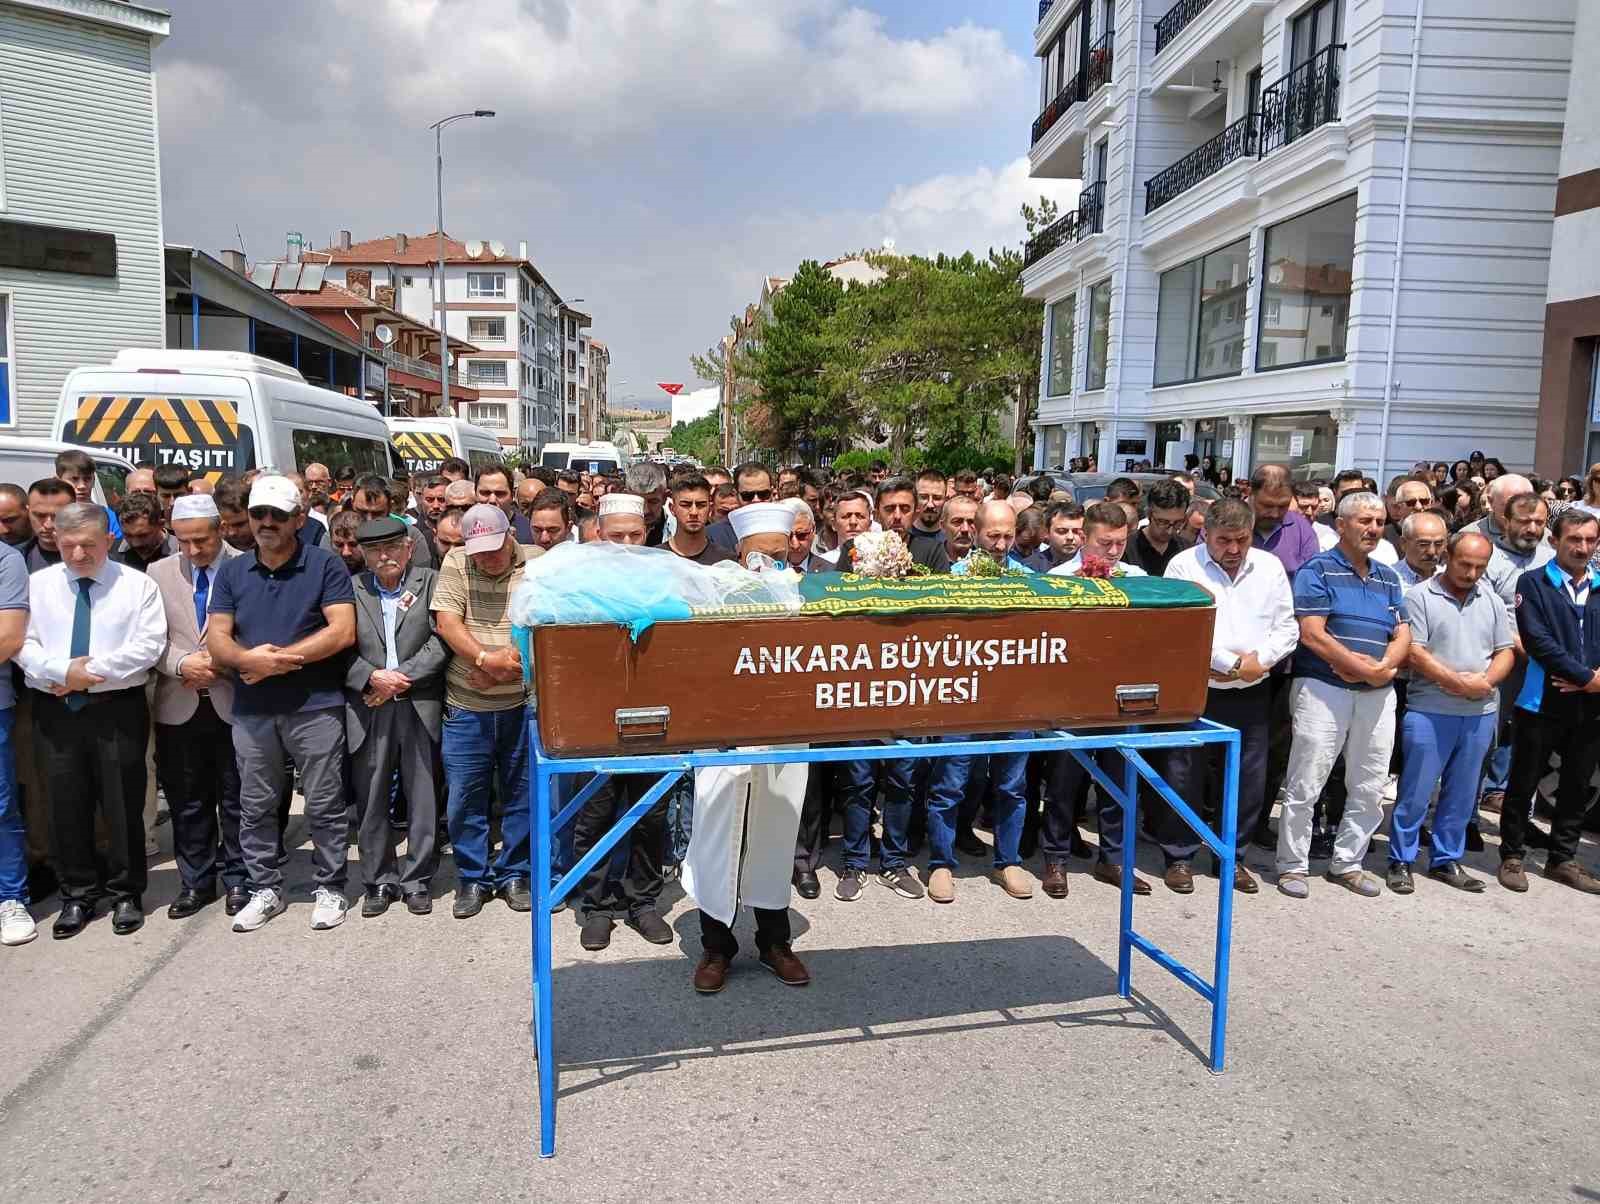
column 575, row 367
column 1310, row 231
column 498, row 302
column 81, row 256
column 1569, row 395
column 591, row 420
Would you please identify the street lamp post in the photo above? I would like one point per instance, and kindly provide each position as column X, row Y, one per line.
column 438, row 160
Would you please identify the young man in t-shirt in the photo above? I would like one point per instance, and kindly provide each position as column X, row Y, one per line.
column 691, row 506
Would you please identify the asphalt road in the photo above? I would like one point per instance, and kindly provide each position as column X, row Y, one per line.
column 1428, row 1047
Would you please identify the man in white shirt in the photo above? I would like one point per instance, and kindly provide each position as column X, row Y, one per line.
column 1105, row 538
column 95, row 629
column 1423, row 537
column 1255, row 629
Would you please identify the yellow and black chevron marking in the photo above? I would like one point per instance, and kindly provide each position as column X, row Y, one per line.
column 202, row 433
column 424, row 450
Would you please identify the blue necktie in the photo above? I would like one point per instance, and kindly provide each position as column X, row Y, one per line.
column 80, row 638
column 202, row 591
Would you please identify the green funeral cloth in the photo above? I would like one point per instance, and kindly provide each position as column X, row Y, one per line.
column 848, row 594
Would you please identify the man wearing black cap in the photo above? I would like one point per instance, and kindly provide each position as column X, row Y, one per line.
column 394, row 702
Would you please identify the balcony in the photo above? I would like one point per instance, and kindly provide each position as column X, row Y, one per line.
column 1177, row 20
column 1073, row 227
column 1193, row 34
column 1057, row 148
column 1237, row 142
column 1044, row 7
column 423, row 368
column 1303, row 100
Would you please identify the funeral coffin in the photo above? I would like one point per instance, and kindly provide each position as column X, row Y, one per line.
column 880, row 659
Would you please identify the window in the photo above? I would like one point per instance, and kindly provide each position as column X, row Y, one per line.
column 1315, row 30
column 488, row 372
column 491, row 330
column 1307, row 443
column 482, row 459
column 1063, row 324
column 1307, row 279
column 1200, row 313
column 489, row 414
column 572, row 361
column 486, row 284
column 1099, row 334
column 5, row 359
column 335, row 448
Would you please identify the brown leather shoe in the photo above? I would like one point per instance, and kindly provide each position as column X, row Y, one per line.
column 791, row 971
column 1244, row 881
column 1570, row 873
column 1055, row 880
column 1493, row 802
column 711, row 975
column 1179, row 878
column 1013, row 881
column 1512, row 876
column 1111, row 874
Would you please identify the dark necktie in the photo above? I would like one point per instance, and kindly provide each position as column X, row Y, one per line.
column 202, row 591
column 80, row 638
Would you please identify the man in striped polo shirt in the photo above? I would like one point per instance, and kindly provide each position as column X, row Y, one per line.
column 485, row 736
column 1353, row 639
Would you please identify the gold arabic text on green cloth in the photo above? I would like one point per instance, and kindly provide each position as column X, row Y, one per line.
column 848, row 594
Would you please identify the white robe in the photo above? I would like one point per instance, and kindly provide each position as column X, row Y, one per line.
column 741, row 849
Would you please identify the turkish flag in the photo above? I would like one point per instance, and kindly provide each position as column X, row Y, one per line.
column 673, row 390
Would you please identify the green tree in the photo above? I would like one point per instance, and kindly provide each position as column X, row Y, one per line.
column 793, row 350
column 700, row 439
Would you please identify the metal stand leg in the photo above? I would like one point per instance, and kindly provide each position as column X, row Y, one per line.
column 543, row 1042
column 1130, row 844
column 1227, row 860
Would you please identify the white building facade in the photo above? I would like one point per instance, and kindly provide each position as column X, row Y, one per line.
column 81, row 257
column 497, row 301
column 1311, row 231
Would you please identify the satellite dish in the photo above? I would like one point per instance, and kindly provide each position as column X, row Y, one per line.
column 383, row 334
column 474, row 249
column 499, row 249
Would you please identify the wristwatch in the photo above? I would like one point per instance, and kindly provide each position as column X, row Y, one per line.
column 1234, row 671
column 483, row 655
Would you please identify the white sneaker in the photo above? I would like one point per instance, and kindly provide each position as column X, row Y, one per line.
column 16, row 925
column 329, row 909
column 263, row 905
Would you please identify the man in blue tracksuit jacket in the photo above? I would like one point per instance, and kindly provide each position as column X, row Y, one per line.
column 1558, row 708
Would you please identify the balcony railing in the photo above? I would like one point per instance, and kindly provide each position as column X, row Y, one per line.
column 422, row 368
column 1303, row 100
column 1095, row 73
column 1044, row 7
column 1236, row 142
column 1072, row 227
column 1177, row 20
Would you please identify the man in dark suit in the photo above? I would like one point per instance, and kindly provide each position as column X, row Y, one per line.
column 394, row 704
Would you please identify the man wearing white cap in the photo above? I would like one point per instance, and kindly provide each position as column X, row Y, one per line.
column 279, row 618
column 193, row 716
column 746, row 817
column 621, row 519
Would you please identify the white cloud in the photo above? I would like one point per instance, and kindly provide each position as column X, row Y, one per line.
column 686, row 407
column 588, row 67
column 968, row 212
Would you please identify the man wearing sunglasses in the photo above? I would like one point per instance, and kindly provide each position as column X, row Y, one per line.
column 754, row 483
column 1408, row 495
column 279, row 618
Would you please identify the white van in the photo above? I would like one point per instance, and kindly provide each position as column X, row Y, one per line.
column 427, row 443
column 219, row 412
column 583, row 457
column 24, row 461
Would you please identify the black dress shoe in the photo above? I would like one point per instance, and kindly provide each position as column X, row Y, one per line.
column 188, row 902
column 806, row 884
column 419, row 903
column 377, row 899
column 1322, row 845
column 237, row 899
column 596, row 934
column 470, row 900
column 127, row 917
column 517, row 894
column 75, row 913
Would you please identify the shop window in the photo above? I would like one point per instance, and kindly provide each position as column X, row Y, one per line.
column 1309, row 264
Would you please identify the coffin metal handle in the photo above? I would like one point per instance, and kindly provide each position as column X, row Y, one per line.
column 1144, row 699
column 637, row 723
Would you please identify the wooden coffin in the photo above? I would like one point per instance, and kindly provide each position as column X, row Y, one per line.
column 723, row 682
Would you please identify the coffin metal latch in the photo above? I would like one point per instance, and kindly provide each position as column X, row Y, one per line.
column 1144, row 699
column 642, row 723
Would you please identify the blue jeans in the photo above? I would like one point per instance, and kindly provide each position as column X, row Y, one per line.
column 1447, row 751
column 858, row 784
column 1008, row 773
column 476, row 746
column 13, row 848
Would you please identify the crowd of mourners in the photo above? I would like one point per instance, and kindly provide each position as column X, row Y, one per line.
column 189, row 654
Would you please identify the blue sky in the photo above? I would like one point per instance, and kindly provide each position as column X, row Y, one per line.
column 659, row 156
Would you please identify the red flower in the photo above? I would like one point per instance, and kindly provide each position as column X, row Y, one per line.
column 1095, row 566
